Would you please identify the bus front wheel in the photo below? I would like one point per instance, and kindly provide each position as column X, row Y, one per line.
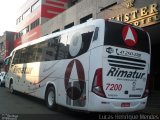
column 50, row 98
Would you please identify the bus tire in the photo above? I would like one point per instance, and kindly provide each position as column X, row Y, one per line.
column 11, row 90
column 50, row 98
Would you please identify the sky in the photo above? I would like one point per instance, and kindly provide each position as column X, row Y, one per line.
column 8, row 14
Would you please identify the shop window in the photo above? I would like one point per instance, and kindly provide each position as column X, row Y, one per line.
column 26, row 13
column 25, row 30
column 36, row 5
column 84, row 19
column 69, row 25
column 35, row 24
column 108, row 6
column 56, row 31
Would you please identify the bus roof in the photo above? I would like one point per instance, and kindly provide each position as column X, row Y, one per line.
column 41, row 39
column 89, row 22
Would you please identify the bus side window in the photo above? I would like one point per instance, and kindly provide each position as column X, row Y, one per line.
column 6, row 61
column 23, row 56
column 31, row 54
column 62, row 52
column 38, row 56
column 96, row 34
column 86, row 40
column 41, row 51
column 16, row 57
column 51, row 50
column 53, row 46
column 47, row 50
column 7, row 64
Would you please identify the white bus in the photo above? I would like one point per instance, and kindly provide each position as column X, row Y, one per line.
column 100, row 65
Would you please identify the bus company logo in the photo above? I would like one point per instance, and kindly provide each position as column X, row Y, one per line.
column 127, row 53
column 118, row 72
column 109, row 50
column 23, row 70
column 129, row 36
column 73, row 92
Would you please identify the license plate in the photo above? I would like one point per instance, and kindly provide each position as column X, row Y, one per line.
column 125, row 104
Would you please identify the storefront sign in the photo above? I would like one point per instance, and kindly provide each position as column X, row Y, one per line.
column 140, row 17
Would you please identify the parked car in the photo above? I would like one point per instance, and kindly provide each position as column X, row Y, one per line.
column 2, row 78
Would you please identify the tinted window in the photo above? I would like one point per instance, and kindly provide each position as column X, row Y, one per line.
column 16, row 57
column 63, row 48
column 114, row 37
column 44, row 51
column 49, row 52
column 56, row 48
column 23, row 56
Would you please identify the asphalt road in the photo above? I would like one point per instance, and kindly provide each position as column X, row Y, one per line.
column 23, row 107
column 26, row 107
column 21, row 104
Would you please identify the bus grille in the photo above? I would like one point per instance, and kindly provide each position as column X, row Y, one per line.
column 124, row 62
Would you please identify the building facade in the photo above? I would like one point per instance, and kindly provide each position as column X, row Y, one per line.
column 139, row 13
column 6, row 46
column 32, row 15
